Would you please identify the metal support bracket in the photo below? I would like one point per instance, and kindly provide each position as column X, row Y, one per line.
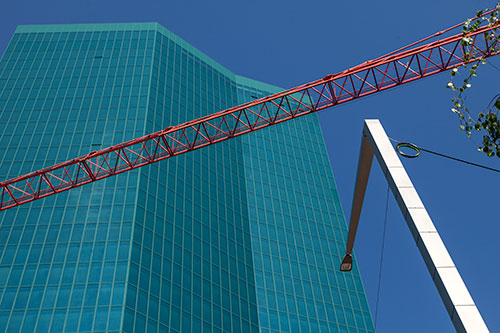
column 454, row 294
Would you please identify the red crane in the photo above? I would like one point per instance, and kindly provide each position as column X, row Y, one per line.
column 413, row 62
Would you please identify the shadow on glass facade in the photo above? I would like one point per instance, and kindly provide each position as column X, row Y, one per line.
column 244, row 235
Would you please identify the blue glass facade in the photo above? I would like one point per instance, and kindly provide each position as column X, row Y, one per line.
column 244, row 235
column 298, row 229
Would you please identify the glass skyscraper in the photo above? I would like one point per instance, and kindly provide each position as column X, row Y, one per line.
column 245, row 235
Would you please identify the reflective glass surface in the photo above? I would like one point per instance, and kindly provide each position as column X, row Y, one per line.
column 244, row 235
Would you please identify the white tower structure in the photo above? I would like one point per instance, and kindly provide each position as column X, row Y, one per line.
column 454, row 294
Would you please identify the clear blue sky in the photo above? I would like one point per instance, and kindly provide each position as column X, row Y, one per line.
column 287, row 43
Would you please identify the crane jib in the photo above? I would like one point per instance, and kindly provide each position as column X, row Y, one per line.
column 413, row 62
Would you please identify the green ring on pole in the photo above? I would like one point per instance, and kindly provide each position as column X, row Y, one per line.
column 407, row 145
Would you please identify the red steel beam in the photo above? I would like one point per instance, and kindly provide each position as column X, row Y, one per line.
column 399, row 67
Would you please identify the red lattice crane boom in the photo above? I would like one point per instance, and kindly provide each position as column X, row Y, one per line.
column 415, row 61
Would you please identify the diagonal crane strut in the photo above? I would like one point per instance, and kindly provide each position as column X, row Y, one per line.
column 410, row 63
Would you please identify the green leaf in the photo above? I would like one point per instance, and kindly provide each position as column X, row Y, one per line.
column 497, row 103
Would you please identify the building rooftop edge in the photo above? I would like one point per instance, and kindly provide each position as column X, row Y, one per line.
column 83, row 27
column 141, row 26
column 257, row 84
